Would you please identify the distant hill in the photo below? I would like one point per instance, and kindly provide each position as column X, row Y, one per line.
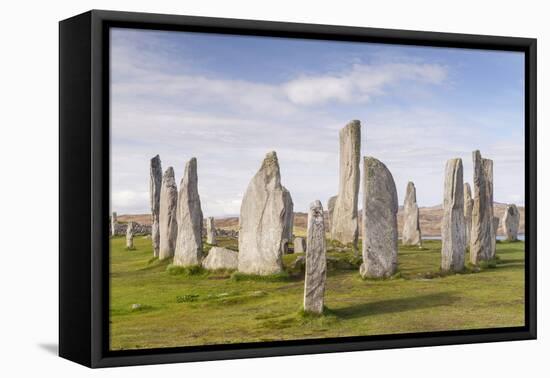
column 430, row 219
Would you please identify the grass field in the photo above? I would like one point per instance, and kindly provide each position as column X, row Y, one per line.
column 181, row 309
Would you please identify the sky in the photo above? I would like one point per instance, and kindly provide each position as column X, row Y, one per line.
column 228, row 100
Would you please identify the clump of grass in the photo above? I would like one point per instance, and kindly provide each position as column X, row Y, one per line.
column 152, row 260
column 489, row 264
column 397, row 275
column 187, row 298
column 194, row 270
column 277, row 277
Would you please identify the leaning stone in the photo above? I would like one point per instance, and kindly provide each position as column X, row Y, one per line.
column 262, row 221
column 221, row 258
column 482, row 236
column 130, row 235
column 210, row 231
column 299, row 245
column 344, row 227
column 453, row 235
column 411, row 218
column 510, row 222
column 189, row 215
column 468, row 206
column 155, row 184
column 168, row 226
column 379, row 225
column 316, row 261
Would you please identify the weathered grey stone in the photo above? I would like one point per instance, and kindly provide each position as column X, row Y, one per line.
column 468, row 206
column 130, row 235
column 510, row 222
column 221, row 258
column 411, row 218
column 155, row 184
column 496, row 223
column 189, row 215
column 482, row 236
column 299, row 245
column 453, row 243
column 262, row 221
column 113, row 223
column 316, row 260
column 289, row 219
column 168, row 225
column 210, row 231
column 344, row 227
column 330, row 209
column 379, row 225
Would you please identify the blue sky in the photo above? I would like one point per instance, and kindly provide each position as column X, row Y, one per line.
column 228, row 100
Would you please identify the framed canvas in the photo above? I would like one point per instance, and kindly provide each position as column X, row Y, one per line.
column 234, row 188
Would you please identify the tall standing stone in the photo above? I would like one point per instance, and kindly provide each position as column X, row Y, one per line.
column 262, row 221
column 411, row 218
column 482, row 236
column 155, row 184
column 510, row 222
column 330, row 209
column 453, row 243
column 114, row 222
column 299, row 245
column 379, row 225
column 344, row 227
column 468, row 206
column 289, row 219
column 130, row 235
column 168, row 225
column 496, row 223
column 210, row 231
column 316, row 260
column 189, row 216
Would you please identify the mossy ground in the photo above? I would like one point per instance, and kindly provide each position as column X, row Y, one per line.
column 194, row 307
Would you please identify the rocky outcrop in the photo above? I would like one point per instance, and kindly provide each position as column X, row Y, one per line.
column 411, row 218
column 468, row 206
column 453, row 243
column 262, row 221
column 482, row 236
column 168, row 225
column 316, row 261
column 379, row 223
column 189, row 215
column 344, row 222
column 510, row 222
column 221, row 258
column 155, row 184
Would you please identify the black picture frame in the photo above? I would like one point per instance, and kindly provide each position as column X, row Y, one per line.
column 84, row 187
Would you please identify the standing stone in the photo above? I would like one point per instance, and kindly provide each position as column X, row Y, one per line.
column 482, row 237
column 130, row 235
column 468, row 206
column 379, row 225
column 510, row 222
column 453, row 243
column 289, row 219
column 155, row 185
column 330, row 208
column 114, row 222
column 189, row 215
column 299, row 245
column 210, row 231
column 344, row 227
column 262, row 221
column 496, row 223
column 221, row 258
column 316, row 260
column 168, row 226
column 411, row 218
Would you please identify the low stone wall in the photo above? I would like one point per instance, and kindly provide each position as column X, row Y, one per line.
column 120, row 229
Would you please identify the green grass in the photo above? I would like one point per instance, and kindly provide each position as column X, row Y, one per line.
column 180, row 307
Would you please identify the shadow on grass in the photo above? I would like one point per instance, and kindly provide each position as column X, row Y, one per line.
column 395, row 305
